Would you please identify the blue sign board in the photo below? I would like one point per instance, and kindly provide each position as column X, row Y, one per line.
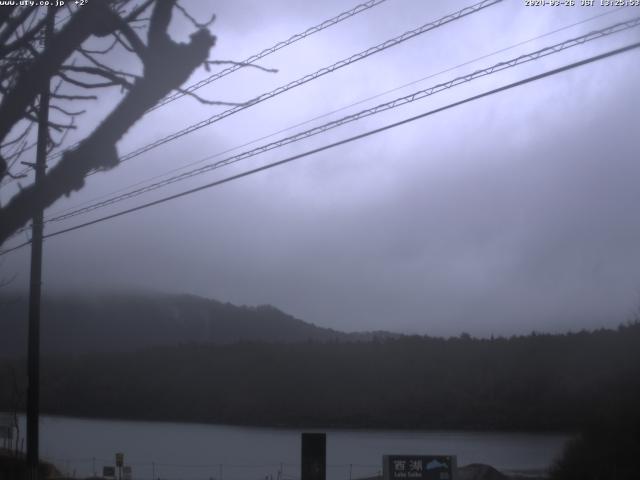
column 419, row 467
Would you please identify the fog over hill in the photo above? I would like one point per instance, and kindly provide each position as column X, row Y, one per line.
column 123, row 322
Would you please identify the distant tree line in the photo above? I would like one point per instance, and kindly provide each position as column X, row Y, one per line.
column 535, row 382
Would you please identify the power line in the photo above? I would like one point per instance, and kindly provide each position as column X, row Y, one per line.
column 363, row 7
column 341, row 142
column 615, row 28
column 303, row 80
column 323, row 71
column 495, row 52
column 268, row 51
column 313, row 76
column 345, row 107
column 415, row 96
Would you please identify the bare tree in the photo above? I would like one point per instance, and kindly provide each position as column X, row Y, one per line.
column 77, row 69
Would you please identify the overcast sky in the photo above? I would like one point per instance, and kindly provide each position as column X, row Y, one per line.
column 514, row 213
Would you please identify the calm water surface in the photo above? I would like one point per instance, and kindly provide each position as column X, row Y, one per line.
column 198, row 451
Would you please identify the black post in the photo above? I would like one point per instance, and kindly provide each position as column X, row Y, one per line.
column 33, row 361
column 314, row 456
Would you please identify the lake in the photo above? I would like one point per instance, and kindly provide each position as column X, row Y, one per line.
column 200, row 451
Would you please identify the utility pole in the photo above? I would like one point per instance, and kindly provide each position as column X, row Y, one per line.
column 33, row 350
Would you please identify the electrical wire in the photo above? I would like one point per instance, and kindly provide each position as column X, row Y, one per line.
column 401, row 101
column 363, row 7
column 268, row 51
column 312, row 76
column 307, row 78
column 332, row 112
column 509, row 86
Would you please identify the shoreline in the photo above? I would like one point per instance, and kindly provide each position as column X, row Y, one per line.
column 311, row 426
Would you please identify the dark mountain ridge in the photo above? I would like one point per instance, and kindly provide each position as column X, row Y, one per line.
column 119, row 322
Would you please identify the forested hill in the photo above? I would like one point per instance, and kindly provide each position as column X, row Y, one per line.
column 546, row 382
column 125, row 322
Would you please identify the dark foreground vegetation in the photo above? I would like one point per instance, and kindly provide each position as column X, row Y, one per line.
column 606, row 449
column 13, row 467
column 537, row 382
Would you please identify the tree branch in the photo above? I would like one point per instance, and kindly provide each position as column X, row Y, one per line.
column 136, row 44
column 100, row 52
column 240, row 64
column 193, row 21
column 67, row 112
column 74, row 97
column 109, row 75
column 167, row 65
column 136, row 12
column 27, row 37
column 204, row 101
column 31, row 81
column 12, row 24
column 80, row 83
column 159, row 23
